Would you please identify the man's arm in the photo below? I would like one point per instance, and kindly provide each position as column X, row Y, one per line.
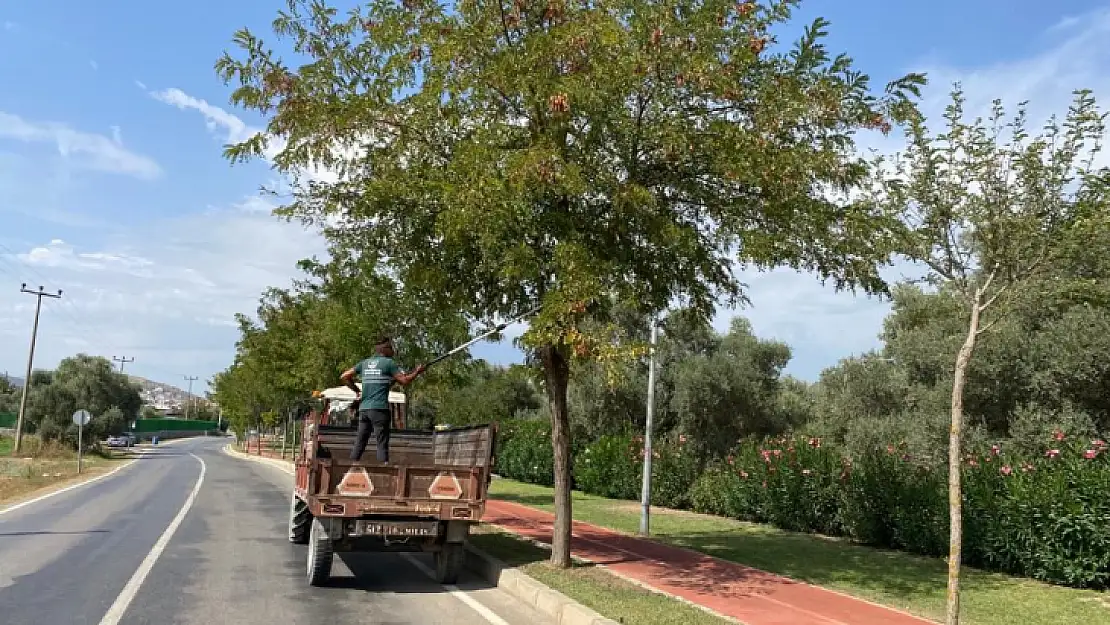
column 348, row 378
column 404, row 379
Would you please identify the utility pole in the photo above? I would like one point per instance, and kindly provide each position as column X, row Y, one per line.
column 645, row 494
column 190, row 379
column 122, row 361
column 39, row 294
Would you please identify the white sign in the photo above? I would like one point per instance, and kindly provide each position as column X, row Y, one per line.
column 81, row 418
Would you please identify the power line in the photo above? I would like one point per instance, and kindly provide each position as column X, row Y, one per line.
column 39, row 294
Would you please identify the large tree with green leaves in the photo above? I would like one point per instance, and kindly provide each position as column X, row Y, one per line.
column 569, row 153
column 989, row 211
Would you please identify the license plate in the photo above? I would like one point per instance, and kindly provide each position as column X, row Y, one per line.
column 378, row 528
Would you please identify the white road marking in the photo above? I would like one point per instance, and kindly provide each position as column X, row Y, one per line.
column 120, row 605
column 24, row 504
column 454, row 591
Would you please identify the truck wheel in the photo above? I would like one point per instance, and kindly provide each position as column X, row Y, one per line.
column 299, row 520
column 449, row 563
column 319, row 554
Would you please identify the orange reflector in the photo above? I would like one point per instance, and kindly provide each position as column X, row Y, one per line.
column 355, row 483
column 445, row 486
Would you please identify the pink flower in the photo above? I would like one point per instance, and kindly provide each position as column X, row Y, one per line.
column 995, row 450
column 1058, row 435
column 744, row 474
column 1005, row 470
column 1090, row 454
column 1098, row 444
column 1052, row 453
column 815, row 443
column 972, row 462
column 731, row 459
column 790, row 449
column 681, row 438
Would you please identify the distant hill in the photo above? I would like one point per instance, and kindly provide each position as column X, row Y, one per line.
column 161, row 395
column 14, row 381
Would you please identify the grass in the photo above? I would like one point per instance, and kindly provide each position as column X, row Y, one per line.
column 591, row 586
column 912, row 583
column 41, row 467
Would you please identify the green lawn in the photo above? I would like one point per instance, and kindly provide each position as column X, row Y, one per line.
column 593, row 587
column 912, row 583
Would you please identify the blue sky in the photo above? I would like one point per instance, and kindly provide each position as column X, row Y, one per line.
column 113, row 187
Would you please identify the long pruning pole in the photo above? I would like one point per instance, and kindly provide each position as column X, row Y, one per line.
column 480, row 337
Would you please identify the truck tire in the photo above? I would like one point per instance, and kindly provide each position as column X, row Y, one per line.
column 319, row 554
column 300, row 519
column 449, row 562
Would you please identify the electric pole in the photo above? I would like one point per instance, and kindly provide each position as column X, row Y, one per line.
column 122, row 361
column 190, row 398
column 39, row 294
column 645, row 493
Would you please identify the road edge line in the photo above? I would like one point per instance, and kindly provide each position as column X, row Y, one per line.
column 66, row 489
column 550, row 602
column 532, row 592
column 456, row 592
column 131, row 589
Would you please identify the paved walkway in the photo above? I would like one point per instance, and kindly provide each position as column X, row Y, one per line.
column 751, row 596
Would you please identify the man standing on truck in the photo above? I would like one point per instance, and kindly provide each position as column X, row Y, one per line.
column 378, row 373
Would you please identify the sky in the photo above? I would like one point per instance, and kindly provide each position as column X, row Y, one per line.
column 114, row 189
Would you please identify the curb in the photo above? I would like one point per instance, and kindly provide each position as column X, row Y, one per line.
column 551, row 603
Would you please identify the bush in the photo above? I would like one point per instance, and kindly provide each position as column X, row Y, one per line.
column 610, row 467
column 1032, row 509
column 524, row 452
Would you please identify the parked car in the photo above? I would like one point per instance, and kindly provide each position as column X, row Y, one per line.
column 119, row 441
column 132, row 438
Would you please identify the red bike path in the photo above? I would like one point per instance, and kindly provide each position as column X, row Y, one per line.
column 748, row 595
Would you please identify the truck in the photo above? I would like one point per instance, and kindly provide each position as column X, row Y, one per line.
column 425, row 499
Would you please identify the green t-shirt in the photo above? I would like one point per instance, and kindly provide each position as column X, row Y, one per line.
column 376, row 373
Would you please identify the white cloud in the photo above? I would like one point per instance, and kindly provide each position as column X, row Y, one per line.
column 166, row 295
column 88, row 150
column 232, row 129
column 228, row 126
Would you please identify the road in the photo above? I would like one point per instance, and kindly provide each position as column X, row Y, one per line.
column 189, row 535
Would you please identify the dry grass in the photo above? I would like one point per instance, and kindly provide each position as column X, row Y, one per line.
column 40, row 467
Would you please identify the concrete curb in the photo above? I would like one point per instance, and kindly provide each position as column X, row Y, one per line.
column 551, row 603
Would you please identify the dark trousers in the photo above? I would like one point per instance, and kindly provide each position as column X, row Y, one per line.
column 374, row 422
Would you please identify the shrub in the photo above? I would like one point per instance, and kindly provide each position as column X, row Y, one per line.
column 1033, row 509
column 610, row 467
column 524, row 452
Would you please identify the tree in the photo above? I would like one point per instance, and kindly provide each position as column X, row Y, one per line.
column 988, row 209
column 646, row 150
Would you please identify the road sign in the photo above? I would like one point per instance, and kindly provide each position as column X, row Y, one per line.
column 81, row 418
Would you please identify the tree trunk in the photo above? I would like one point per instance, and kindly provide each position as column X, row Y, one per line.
column 556, row 368
column 955, row 494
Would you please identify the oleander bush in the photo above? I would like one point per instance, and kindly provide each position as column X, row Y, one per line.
column 1040, row 511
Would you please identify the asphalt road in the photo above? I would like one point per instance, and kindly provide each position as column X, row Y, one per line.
column 101, row 554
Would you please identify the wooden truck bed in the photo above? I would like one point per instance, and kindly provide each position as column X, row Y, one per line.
column 431, row 475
